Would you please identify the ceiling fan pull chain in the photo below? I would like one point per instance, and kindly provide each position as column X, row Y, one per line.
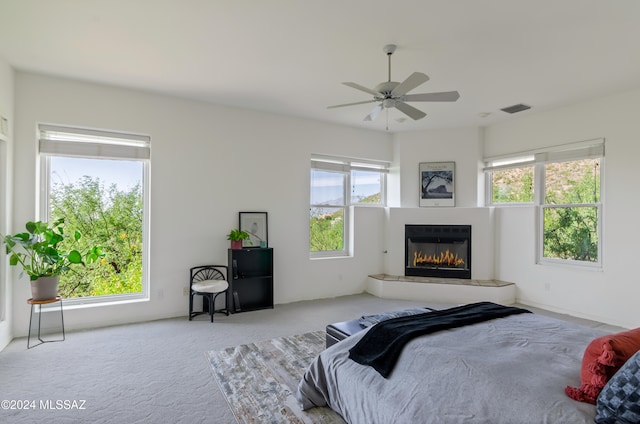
column 387, row 119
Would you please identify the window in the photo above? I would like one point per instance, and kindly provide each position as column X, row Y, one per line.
column 511, row 181
column 98, row 181
column 337, row 184
column 565, row 183
column 571, row 209
column 3, row 229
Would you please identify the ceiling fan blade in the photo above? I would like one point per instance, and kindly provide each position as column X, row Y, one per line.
column 445, row 96
column 409, row 84
column 361, row 88
column 352, row 104
column 374, row 113
column 410, row 111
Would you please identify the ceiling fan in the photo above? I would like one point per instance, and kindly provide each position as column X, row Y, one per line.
column 391, row 94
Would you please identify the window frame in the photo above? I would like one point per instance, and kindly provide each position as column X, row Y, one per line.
column 137, row 150
column 588, row 149
column 345, row 218
column 346, row 166
column 513, row 165
column 3, row 225
column 543, row 205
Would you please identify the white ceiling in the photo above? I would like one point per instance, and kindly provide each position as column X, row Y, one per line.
column 290, row 56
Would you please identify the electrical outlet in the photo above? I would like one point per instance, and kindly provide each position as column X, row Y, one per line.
column 185, row 291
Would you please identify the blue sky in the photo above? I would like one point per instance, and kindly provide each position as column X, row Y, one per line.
column 124, row 173
column 327, row 186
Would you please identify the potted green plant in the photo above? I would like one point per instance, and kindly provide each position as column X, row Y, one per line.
column 42, row 257
column 236, row 237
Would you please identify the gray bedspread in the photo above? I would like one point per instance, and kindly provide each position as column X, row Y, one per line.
column 508, row 370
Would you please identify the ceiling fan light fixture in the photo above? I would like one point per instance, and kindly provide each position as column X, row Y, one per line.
column 388, row 103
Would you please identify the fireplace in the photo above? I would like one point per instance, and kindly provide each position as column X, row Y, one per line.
column 438, row 251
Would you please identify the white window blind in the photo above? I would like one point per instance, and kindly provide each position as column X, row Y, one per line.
column 82, row 142
column 589, row 149
column 344, row 165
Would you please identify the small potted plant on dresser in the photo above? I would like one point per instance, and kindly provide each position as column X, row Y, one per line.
column 42, row 257
column 236, row 237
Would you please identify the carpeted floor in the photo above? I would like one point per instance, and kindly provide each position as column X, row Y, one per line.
column 260, row 379
column 155, row 372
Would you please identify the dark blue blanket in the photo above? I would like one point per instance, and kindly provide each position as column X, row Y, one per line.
column 381, row 346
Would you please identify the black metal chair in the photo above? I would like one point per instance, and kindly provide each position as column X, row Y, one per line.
column 208, row 281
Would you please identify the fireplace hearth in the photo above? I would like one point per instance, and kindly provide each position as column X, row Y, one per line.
column 438, row 251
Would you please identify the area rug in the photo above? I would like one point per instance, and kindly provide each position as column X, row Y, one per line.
column 260, row 379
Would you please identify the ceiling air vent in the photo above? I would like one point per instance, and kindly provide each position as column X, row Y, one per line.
column 515, row 108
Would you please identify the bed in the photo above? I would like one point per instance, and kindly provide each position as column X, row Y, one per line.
column 512, row 369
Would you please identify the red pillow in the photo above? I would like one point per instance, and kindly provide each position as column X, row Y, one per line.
column 602, row 358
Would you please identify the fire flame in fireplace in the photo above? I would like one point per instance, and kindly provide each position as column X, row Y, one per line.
column 445, row 258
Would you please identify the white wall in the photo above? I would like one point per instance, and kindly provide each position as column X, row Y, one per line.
column 208, row 162
column 227, row 160
column 461, row 145
column 338, row 277
column 464, row 146
column 6, row 166
column 610, row 295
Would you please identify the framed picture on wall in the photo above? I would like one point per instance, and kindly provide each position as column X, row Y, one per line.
column 437, row 186
column 254, row 223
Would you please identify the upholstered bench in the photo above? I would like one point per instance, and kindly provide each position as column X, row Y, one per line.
column 341, row 330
